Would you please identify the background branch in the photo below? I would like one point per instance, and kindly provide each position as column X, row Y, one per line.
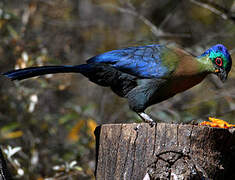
column 216, row 9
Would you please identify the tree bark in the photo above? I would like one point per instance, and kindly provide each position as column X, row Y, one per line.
column 165, row 151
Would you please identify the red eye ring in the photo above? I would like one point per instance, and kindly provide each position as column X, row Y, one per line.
column 218, row 61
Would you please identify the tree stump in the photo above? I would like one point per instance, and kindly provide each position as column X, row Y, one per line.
column 165, row 151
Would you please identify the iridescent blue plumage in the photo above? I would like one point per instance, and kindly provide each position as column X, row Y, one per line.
column 218, row 47
column 142, row 61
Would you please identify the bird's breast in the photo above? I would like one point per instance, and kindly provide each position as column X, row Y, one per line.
column 174, row 86
column 184, row 83
column 181, row 84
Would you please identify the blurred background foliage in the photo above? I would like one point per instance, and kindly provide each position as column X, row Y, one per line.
column 47, row 123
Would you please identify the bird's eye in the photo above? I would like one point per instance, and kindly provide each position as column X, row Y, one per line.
column 218, row 61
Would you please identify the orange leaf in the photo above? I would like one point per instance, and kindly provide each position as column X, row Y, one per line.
column 91, row 126
column 73, row 134
column 12, row 135
column 217, row 123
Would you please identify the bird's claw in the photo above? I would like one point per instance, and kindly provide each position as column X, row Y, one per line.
column 152, row 123
column 147, row 119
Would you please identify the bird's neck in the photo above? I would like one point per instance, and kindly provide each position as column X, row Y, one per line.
column 205, row 64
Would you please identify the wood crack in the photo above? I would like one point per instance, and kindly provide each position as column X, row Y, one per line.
column 155, row 137
column 134, row 151
column 118, row 143
column 177, row 135
column 190, row 139
column 127, row 155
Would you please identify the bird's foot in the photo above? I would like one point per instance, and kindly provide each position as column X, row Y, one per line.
column 217, row 123
column 145, row 117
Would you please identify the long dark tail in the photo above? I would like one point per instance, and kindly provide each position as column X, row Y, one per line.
column 37, row 71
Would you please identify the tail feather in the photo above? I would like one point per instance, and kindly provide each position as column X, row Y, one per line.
column 37, row 71
column 102, row 74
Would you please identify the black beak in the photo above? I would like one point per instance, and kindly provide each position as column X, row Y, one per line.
column 222, row 74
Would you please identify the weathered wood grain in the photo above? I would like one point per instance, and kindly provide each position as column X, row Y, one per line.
column 165, row 151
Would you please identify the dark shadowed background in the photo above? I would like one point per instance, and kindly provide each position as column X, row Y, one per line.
column 47, row 123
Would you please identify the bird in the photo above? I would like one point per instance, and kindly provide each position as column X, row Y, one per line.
column 144, row 75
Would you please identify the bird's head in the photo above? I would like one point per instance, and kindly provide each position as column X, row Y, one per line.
column 220, row 59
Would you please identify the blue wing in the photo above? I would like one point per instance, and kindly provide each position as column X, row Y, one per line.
column 141, row 61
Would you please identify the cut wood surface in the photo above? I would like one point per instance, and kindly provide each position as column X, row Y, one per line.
column 165, row 151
